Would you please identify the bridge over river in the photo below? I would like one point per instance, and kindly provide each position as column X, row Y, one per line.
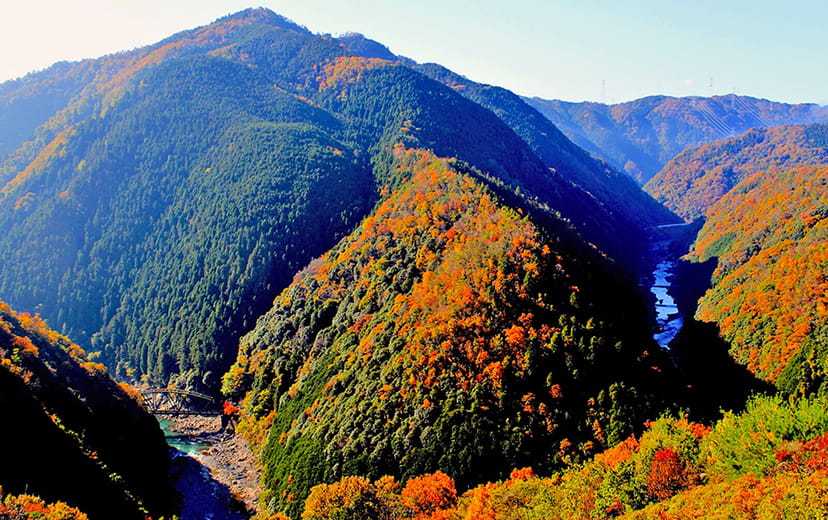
column 176, row 402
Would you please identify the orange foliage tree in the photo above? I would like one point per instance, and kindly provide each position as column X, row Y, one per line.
column 427, row 494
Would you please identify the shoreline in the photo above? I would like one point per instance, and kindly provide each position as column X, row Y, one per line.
column 226, row 455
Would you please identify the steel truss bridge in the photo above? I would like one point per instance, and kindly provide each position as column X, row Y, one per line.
column 171, row 401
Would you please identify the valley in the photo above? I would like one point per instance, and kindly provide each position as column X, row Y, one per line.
column 213, row 469
column 665, row 246
column 418, row 297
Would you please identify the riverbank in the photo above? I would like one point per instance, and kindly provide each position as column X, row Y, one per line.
column 713, row 380
column 667, row 244
column 226, row 455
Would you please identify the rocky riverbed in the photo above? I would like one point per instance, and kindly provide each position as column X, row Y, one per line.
column 221, row 460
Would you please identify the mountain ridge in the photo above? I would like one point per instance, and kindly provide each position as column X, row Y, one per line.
column 641, row 136
column 118, row 159
column 698, row 177
column 433, row 337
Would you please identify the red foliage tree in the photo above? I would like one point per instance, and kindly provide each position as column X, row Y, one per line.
column 668, row 475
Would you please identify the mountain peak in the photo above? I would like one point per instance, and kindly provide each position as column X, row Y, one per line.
column 262, row 15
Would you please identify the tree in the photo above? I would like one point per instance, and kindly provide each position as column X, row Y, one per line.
column 429, row 493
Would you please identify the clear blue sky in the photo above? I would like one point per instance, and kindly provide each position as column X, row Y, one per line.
column 548, row 48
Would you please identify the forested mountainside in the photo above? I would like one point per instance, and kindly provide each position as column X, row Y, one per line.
column 407, row 284
column 610, row 187
column 156, row 214
column 71, row 434
column 696, row 179
column 448, row 332
column 764, row 198
column 768, row 462
column 769, row 294
column 37, row 107
column 641, row 136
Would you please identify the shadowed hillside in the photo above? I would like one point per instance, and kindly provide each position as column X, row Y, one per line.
column 764, row 199
column 70, row 433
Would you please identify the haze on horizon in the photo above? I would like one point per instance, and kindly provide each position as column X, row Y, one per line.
column 598, row 50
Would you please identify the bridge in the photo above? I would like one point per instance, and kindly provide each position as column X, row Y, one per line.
column 173, row 401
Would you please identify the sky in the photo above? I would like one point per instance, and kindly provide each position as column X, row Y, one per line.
column 597, row 50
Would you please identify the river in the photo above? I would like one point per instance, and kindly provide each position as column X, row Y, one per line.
column 187, row 444
column 203, row 495
column 663, row 258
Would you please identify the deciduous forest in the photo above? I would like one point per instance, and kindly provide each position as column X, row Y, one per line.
column 407, row 294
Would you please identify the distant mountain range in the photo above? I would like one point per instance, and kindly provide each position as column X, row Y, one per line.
column 639, row 137
column 698, row 177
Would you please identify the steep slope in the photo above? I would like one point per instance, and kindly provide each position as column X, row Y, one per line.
column 437, row 118
column 762, row 196
column 29, row 102
column 697, row 178
column 769, row 292
column 359, row 45
column 70, row 433
column 159, row 212
column 189, row 198
column 640, row 136
column 36, row 109
column 447, row 332
column 614, row 192
column 770, row 461
column 611, row 188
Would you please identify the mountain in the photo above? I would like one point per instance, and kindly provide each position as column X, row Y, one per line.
column 70, row 433
column 359, row 45
column 611, row 188
column 764, row 200
column 769, row 235
column 395, row 273
column 36, row 109
column 392, row 274
column 177, row 188
column 698, row 177
column 614, row 191
column 448, row 332
column 639, row 137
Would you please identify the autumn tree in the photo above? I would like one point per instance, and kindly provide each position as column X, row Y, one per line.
column 429, row 493
column 351, row 498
